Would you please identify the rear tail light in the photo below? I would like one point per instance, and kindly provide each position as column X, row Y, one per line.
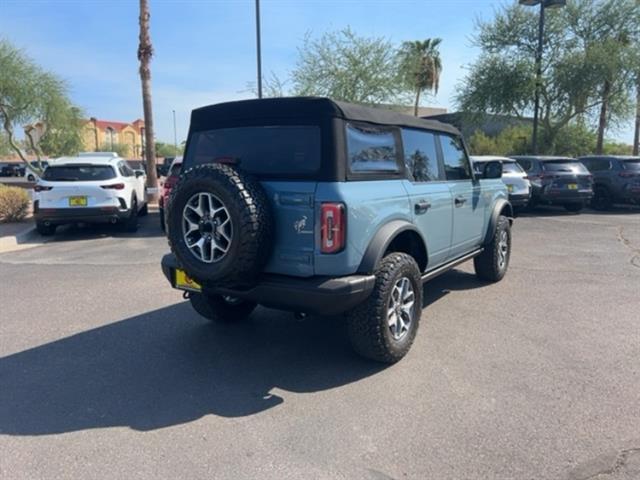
column 41, row 188
column 332, row 227
column 626, row 174
column 114, row 186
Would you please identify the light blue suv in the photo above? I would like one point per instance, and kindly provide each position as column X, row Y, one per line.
column 322, row 207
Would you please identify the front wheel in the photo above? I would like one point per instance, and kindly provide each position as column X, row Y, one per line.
column 384, row 326
column 493, row 262
column 221, row 308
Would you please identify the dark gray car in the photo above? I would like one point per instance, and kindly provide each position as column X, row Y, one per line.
column 560, row 181
column 616, row 180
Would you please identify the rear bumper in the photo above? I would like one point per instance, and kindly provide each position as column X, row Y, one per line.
column 82, row 214
column 314, row 295
column 562, row 197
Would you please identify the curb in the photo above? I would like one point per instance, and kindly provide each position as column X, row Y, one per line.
column 10, row 242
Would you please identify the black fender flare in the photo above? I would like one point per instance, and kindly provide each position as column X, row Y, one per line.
column 381, row 241
column 498, row 207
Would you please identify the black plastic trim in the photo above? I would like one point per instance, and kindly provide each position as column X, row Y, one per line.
column 431, row 274
column 500, row 204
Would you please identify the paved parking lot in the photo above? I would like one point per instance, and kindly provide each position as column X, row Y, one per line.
column 107, row 373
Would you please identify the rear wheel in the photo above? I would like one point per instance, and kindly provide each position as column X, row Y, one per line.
column 221, row 308
column 144, row 211
column 45, row 230
column 601, row 199
column 131, row 223
column 384, row 326
column 493, row 262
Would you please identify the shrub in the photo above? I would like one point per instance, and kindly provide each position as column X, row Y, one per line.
column 14, row 203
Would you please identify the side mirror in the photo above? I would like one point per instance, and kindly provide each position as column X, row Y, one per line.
column 139, row 173
column 492, row 169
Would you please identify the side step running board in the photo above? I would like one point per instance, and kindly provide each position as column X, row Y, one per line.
column 452, row 264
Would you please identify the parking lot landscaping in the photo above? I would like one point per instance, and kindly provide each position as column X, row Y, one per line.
column 106, row 372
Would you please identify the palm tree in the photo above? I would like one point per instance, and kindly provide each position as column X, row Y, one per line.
column 145, row 52
column 421, row 67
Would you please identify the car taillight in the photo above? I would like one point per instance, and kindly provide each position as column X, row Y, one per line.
column 332, row 227
column 626, row 174
column 41, row 188
column 113, row 186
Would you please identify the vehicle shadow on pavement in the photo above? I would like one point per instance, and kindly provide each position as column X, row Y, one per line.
column 148, row 227
column 453, row 280
column 169, row 367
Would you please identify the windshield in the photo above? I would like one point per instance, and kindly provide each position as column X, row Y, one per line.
column 564, row 166
column 284, row 149
column 632, row 164
column 79, row 173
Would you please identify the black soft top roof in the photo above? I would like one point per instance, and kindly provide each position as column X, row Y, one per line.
column 304, row 108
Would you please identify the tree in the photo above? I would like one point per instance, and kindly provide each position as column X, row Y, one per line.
column 502, row 80
column 57, row 142
column 29, row 94
column 421, row 66
column 345, row 66
column 120, row 148
column 167, row 150
column 145, row 52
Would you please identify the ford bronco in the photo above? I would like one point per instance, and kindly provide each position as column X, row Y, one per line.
column 323, row 207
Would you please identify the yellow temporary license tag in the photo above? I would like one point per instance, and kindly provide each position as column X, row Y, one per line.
column 185, row 282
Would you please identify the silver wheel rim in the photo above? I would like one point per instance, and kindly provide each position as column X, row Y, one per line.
column 206, row 227
column 231, row 300
column 400, row 308
column 503, row 249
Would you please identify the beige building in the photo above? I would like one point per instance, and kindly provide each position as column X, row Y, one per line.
column 102, row 134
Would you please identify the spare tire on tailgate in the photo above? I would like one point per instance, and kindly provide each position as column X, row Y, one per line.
column 220, row 225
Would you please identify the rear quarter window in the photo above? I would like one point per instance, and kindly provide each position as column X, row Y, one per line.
column 632, row 165
column 372, row 148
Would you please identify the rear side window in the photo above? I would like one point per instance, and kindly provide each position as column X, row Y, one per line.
column 420, row 155
column 456, row 162
column 511, row 167
column 527, row 165
column 175, row 169
column 372, row 148
column 566, row 166
column 79, row 173
column 632, row 165
column 277, row 149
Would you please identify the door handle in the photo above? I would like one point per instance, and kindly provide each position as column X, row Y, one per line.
column 422, row 206
column 460, row 201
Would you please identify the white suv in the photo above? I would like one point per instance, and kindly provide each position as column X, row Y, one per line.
column 91, row 188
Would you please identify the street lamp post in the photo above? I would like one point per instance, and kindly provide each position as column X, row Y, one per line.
column 536, row 103
column 258, row 48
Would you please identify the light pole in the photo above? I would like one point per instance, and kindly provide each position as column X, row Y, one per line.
column 258, row 48
column 543, row 5
column 175, row 136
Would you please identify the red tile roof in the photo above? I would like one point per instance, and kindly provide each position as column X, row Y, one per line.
column 119, row 126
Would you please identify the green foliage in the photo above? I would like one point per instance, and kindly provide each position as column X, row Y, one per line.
column 14, row 204
column 5, row 148
column 345, row 66
column 510, row 141
column 121, row 149
column 29, row 94
column 585, row 43
column 67, row 140
column 168, row 150
column 420, row 67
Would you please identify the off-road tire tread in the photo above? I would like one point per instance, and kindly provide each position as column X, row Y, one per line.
column 216, row 309
column 486, row 264
column 254, row 228
column 364, row 326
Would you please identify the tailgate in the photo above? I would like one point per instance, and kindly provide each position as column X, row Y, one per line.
column 292, row 204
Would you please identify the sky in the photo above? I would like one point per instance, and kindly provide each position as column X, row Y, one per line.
column 204, row 50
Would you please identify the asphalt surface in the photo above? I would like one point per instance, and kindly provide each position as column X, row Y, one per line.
column 105, row 372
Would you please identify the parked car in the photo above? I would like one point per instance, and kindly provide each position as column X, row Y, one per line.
column 167, row 185
column 323, row 207
column 513, row 176
column 31, row 175
column 9, row 170
column 91, row 190
column 616, row 180
column 557, row 181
